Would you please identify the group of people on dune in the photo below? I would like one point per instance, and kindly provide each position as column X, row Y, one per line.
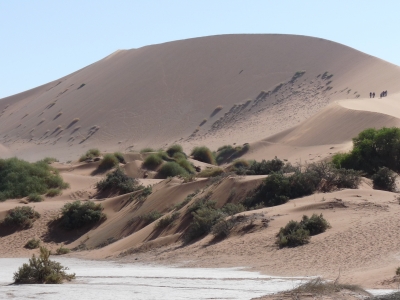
column 383, row 94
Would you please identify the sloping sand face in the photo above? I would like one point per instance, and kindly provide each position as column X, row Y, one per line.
column 212, row 90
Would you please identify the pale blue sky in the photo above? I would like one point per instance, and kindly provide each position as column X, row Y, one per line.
column 44, row 40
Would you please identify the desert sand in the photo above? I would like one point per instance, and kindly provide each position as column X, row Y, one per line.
column 299, row 98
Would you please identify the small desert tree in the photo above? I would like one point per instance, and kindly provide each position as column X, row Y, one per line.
column 42, row 270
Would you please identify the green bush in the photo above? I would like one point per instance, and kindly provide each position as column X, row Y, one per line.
column 91, row 153
column 62, row 250
column 174, row 149
column 53, row 192
column 315, row 225
column 32, row 244
column 231, row 209
column 49, row 160
column 384, row 179
column 168, row 220
column 298, row 233
column 293, row 235
column 188, row 198
column 204, row 218
column 152, row 162
column 120, row 157
column 21, row 217
column 203, row 154
column 278, row 188
column 210, row 172
column 372, row 149
column 19, row 178
column 77, row 214
column 119, row 182
column 222, row 228
column 109, row 161
column 151, row 217
column 35, row 197
column 171, row 169
column 179, row 155
column 42, row 270
column 265, row 167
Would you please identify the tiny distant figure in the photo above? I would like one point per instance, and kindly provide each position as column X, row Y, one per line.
column 373, row 95
column 370, row 95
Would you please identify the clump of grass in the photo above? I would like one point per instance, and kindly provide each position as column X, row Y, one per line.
column 174, row 149
column 179, row 155
column 35, row 197
column 21, row 217
column 91, row 153
column 317, row 286
column 62, row 250
column 210, row 172
column 119, row 182
column 228, row 153
column 53, row 192
column 58, row 115
column 19, row 178
column 32, row 244
column 146, row 150
column 171, row 169
column 120, row 157
column 78, row 214
column 42, row 270
column 151, row 217
column 152, row 162
column 203, row 154
column 168, row 220
column 108, row 162
column 49, row 160
column 186, row 165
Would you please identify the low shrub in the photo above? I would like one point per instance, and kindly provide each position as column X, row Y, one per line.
column 32, row 244
column 49, row 160
column 188, row 198
column 179, row 155
column 108, row 162
column 203, row 154
column 21, row 217
column 168, row 220
column 120, row 157
column 119, row 182
column 204, row 218
column 315, row 225
column 62, row 250
column 53, row 192
column 174, row 149
column 293, row 235
column 146, row 150
column 278, row 188
column 91, row 153
column 210, row 172
column 19, row 178
column 78, row 214
column 152, row 162
column 171, row 169
column 398, row 271
column 42, row 270
column 222, row 228
column 384, row 179
column 298, row 233
column 151, row 217
column 35, row 197
column 231, row 209
column 265, row 167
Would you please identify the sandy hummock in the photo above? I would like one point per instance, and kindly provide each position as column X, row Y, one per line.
column 299, row 98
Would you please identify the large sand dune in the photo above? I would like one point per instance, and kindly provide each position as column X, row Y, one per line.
column 159, row 94
column 299, row 98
